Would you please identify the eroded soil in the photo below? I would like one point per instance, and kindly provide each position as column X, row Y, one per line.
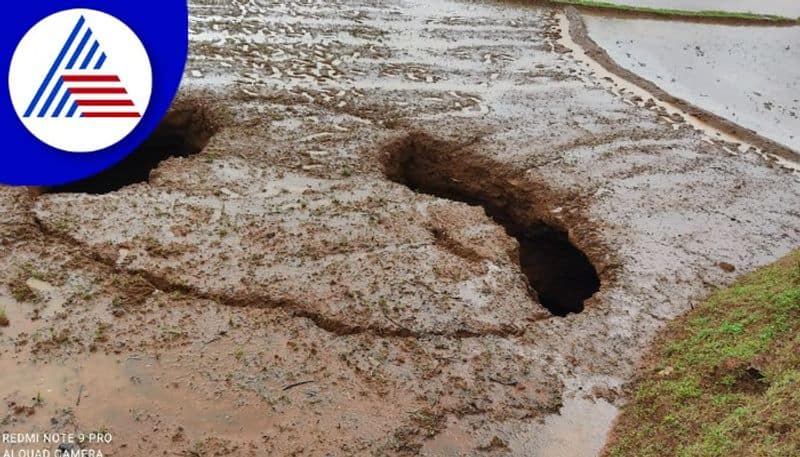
column 278, row 288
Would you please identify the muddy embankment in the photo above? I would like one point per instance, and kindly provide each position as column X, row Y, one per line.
column 783, row 8
column 579, row 34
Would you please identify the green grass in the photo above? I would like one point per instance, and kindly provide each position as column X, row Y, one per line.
column 680, row 13
column 723, row 380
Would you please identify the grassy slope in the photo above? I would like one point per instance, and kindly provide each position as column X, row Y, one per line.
column 678, row 13
column 724, row 380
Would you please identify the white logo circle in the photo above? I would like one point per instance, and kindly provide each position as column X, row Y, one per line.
column 80, row 80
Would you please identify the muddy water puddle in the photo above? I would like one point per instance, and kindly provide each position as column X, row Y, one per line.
column 130, row 397
column 168, row 398
column 29, row 317
column 579, row 429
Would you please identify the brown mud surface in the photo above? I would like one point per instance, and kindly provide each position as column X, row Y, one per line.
column 327, row 257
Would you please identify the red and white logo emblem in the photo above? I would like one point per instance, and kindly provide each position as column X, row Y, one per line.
column 80, row 80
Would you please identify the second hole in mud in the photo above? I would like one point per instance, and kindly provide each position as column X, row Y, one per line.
column 180, row 134
column 560, row 274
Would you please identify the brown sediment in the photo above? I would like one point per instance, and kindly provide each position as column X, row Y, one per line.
column 580, row 35
column 235, row 271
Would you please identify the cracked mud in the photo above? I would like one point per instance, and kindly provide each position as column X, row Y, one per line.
column 332, row 255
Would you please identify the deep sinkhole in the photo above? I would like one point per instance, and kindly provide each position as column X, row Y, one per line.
column 180, row 134
column 559, row 274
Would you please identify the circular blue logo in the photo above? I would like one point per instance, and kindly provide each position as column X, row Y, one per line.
column 88, row 82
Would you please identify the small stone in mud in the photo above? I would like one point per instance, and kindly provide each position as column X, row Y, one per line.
column 496, row 443
column 67, row 448
column 727, row 267
column 4, row 322
column 22, row 410
column 666, row 371
column 178, row 436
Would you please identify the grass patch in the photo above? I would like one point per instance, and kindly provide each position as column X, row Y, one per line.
column 724, row 379
column 679, row 13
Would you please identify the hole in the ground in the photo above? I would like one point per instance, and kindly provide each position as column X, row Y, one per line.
column 181, row 133
column 560, row 274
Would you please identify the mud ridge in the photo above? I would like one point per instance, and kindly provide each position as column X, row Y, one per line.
column 260, row 301
column 560, row 275
column 580, row 35
column 764, row 21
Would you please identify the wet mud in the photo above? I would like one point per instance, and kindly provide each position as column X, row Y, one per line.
column 295, row 287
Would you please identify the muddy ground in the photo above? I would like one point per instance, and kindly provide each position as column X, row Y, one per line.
column 377, row 237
